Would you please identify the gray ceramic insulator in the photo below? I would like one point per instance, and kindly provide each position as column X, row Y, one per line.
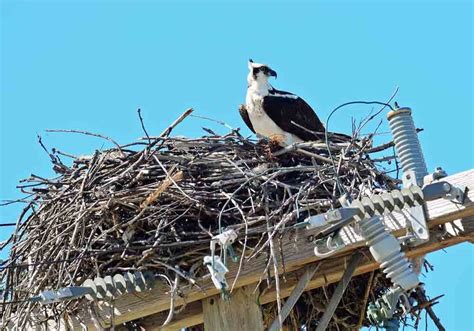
column 407, row 143
column 386, row 250
column 92, row 295
column 149, row 279
column 139, row 282
column 110, row 287
column 120, row 284
column 388, row 202
column 101, row 288
column 129, row 282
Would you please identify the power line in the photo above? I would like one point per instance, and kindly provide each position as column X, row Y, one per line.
column 7, row 224
column 341, row 188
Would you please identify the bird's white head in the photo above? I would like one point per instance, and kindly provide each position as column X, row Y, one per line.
column 259, row 74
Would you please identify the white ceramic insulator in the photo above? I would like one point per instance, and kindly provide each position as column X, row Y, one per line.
column 386, row 250
column 407, row 144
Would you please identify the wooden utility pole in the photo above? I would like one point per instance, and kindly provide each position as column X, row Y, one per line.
column 238, row 313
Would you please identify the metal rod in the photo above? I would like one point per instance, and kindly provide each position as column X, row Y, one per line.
column 294, row 296
column 340, row 289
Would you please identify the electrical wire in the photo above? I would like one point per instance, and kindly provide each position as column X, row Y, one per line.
column 341, row 188
column 7, row 224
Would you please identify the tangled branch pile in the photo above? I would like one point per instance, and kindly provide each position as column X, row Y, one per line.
column 156, row 203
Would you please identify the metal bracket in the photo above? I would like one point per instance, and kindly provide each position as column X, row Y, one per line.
column 416, row 214
column 381, row 312
column 331, row 245
column 383, row 309
column 335, row 218
column 436, row 175
column 217, row 269
column 435, row 188
column 66, row 293
column 216, row 266
column 443, row 189
column 456, row 193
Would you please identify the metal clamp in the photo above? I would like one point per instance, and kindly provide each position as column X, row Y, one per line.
column 335, row 218
column 216, row 266
column 224, row 239
column 217, row 269
column 436, row 188
column 332, row 244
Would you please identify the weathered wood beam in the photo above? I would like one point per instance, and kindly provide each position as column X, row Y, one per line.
column 297, row 252
column 191, row 315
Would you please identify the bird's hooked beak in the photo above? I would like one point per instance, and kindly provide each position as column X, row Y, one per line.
column 272, row 73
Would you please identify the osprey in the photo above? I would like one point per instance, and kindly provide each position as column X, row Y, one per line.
column 277, row 115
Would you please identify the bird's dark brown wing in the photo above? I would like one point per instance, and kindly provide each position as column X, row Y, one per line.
column 245, row 116
column 286, row 110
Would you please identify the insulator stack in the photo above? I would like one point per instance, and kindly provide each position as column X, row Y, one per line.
column 388, row 202
column 407, row 143
column 110, row 287
column 386, row 250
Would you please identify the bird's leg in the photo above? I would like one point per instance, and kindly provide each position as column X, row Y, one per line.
column 264, row 143
column 267, row 149
column 274, row 144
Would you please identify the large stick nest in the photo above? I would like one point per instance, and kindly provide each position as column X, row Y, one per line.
column 155, row 204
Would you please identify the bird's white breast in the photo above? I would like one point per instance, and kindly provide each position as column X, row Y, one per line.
column 261, row 122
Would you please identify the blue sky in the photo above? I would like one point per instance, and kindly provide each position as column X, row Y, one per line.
column 89, row 65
